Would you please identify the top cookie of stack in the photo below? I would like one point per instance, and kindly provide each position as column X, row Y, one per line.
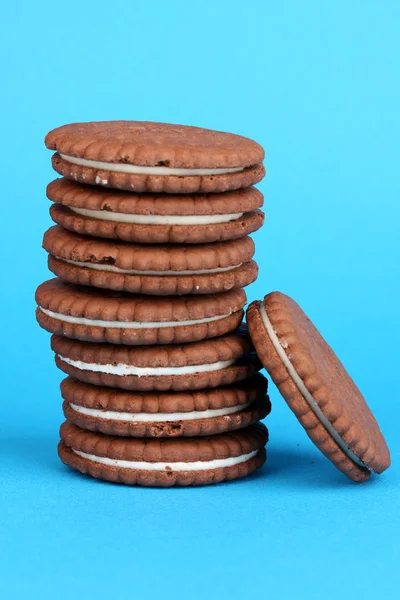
column 155, row 157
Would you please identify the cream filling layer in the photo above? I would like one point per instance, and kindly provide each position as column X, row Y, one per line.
column 122, row 370
column 304, row 391
column 114, row 269
column 199, row 465
column 195, row 415
column 142, row 170
column 129, row 324
column 105, row 215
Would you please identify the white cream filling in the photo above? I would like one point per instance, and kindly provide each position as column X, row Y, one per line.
column 114, row 269
column 199, row 465
column 129, row 324
column 303, row 390
column 114, row 415
column 122, row 370
column 141, row 170
column 105, row 215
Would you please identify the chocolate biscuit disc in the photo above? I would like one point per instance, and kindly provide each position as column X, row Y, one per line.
column 155, row 157
column 164, row 462
column 156, row 269
column 152, row 218
column 317, row 387
column 95, row 315
column 169, row 414
column 193, row 366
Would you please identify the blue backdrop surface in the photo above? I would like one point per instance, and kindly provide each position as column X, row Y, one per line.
column 317, row 84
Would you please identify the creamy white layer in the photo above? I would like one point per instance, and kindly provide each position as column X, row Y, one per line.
column 122, row 370
column 141, row 170
column 303, row 390
column 129, row 324
column 200, row 465
column 106, row 215
column 114, row 415
column 114, row 269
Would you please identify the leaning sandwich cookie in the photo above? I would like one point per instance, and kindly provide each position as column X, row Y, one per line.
column 97, row 315
column 317, row 387
column 210, row 363
column 152, row 218
column 164, row 462
column 155, row 157
column 154, row 269
column 168, row 414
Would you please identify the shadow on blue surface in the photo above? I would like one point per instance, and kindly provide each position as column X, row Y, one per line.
column 306, row 468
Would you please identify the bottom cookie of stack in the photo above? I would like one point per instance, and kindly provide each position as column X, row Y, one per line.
column 164, row 462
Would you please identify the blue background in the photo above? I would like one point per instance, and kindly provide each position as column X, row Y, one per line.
column 317, row 84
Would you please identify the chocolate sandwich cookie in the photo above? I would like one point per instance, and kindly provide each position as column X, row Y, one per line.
column 155, row 219
column 95, row 315
column 197, row 365
column 168, row 414
column 141, row 157
column 165, row 462
column 316, row 387
column 155, row 269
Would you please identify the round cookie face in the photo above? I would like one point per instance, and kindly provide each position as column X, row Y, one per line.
column 169, row 414
column 156, row 219
column 165, row 462
column 316, row 387
column 158, row 270
column 155, row 157
column 94, row 315
column 210, row 363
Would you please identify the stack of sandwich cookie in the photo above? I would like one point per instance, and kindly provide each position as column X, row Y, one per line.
column 152, row 253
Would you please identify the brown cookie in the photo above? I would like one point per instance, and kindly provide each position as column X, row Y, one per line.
column 155, row 157
column 155, row 219
column 316, row 386
column 158, row 270
column 197, row 365
column 164, row 462
column 169, row 414
column 94, row 315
